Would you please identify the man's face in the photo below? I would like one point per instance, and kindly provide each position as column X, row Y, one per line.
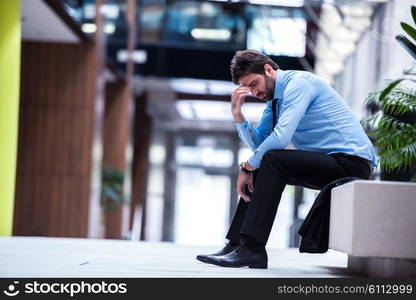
column 261, row 85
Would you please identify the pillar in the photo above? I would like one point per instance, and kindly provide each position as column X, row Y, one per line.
column 10, row 36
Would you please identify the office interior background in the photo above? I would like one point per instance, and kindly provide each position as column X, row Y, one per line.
column 115, row 115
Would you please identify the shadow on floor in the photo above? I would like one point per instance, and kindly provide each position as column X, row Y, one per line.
column 342, row 272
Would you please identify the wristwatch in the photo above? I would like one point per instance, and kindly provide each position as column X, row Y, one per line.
column 244, row 169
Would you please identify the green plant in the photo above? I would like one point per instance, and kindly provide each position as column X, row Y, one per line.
column 111, row 189
column 393, row 126
column 411, row 31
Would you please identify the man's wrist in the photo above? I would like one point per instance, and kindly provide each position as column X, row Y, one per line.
column 249, row 167
column 238, row 117
column 246, row 168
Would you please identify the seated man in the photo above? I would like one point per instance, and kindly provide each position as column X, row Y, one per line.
column 301, row 109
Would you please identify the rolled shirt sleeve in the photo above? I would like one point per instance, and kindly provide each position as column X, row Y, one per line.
column 297, row 97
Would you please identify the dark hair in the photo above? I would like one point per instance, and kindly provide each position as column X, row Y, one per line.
column 249, row 61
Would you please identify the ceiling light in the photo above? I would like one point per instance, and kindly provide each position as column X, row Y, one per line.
column 290, row 3
column 188, row 85
column 138, row 56
column 211, row 34
column 89, row 27
column 109, row 28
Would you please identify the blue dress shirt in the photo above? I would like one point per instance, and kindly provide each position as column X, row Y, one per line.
column 312, row 116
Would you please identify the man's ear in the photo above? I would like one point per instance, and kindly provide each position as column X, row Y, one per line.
column 268, row 69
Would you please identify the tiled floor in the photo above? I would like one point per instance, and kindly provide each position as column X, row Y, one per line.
column 64, row 257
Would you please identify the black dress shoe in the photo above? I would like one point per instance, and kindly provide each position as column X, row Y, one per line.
column 241, row 256
column 227, row 249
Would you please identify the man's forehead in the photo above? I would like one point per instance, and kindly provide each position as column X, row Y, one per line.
column 247, row 79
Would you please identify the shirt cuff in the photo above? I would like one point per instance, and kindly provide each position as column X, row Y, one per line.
column 241, row 125
column 254, row 161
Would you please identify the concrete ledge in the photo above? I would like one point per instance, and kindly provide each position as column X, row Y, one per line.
column 382, row 267
column 375, row 223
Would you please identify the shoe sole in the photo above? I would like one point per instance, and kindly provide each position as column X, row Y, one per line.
column 207, row 260
column 253, row 266
column 258, row 266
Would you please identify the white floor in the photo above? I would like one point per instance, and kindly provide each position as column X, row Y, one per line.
column 64, row 257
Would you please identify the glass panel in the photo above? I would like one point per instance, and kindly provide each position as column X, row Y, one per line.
column 244, row 153
column 150, row 20
column 277, row 31
column 216, row 111
column 201, row 210
column 205, row 156
column 204, row 150
column 207, row 24
column 279, row 236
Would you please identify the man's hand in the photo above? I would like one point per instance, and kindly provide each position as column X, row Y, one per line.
column 237, row 101
column 243, row 181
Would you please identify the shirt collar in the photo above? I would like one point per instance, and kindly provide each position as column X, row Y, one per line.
column 278, row 88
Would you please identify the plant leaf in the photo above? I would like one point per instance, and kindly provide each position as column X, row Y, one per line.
column 109, row 192
column 394, row 136
column 413, row 10
column 407, row 45
column 409, row 30
column 388, row 89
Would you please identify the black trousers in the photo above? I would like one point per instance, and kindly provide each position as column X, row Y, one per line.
column 280, row 167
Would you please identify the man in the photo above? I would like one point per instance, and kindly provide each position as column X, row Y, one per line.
column 300, row 109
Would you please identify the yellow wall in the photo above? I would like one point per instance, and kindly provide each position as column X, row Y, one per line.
column 10, row 39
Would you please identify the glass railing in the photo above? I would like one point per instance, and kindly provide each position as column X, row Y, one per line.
column 214, row 26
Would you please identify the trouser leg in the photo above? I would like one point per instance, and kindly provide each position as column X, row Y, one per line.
column 278, row 168
column 240, row 213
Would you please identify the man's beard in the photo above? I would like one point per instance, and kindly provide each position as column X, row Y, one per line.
column 269, row 86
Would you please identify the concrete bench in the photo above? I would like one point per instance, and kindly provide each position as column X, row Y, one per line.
column 374, row 222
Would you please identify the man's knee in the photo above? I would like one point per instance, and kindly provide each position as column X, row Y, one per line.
column 269, row 157
column 275, row 159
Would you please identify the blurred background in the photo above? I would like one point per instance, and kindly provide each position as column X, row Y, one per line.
column 123, row 124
